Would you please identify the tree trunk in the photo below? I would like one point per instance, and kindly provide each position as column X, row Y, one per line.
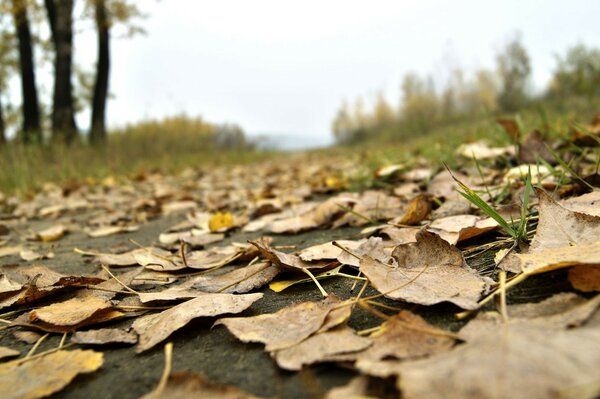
column 2, row 125
column 98, row 125
column 31, row 112
column 60, row 16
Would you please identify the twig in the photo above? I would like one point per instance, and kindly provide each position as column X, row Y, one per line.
column 119, row 281
column 36, row 345
column 319, row 286
column 166, row 372
column 503, row 311
column 516, row 280
column 63, row 339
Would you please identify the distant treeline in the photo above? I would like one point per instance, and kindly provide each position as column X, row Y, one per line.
column 507, row 89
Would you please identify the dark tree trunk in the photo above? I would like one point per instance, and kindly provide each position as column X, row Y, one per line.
column 2, row 125
column 98, row 125
column 31, row 112
column 60, row 16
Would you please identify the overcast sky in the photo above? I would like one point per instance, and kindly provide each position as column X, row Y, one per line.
column 284, row 67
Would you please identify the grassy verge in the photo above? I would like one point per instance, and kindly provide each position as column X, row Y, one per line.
column 24, row 169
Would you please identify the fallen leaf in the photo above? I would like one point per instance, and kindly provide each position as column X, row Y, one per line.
column 155, row 328
column 508, row 360
column 8, row 286
column 239, row 281
column 184, row 385
column 282, row 329
column 372, row 205
column 158, row 260
column 194, row 240
column 170, row 294
column 320, row 348
column 29, row 255
column 372, row 247
column 52, row 233
column 105, row 231
column 71, row 312
column 104, row 336
column 405, row 336
column 584, row 278
column 8, row 251
column 481, row 150
column 326, row 251
column 319, row 216
column 541, row 261
column 213, row 257
column 461, row 227
column 8, row 352
column 288, row 261
column 429, row 271
column 561, row 227
column 416, row 211
column 47, row 374
column 221, row 221
column 29, row 337
column 586, row 203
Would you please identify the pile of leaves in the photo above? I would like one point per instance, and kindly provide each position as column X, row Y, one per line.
column 452, row 240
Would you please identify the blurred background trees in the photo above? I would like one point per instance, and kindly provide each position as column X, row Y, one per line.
column 425, row 103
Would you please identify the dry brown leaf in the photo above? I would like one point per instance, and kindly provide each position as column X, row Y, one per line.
column 288, row 261
column 282, row 329
column 507, row 361
column 326, row 251
column 399, row 236
column 192, row 239
column 585, row 278
column 372, row 247
column 444, row 186
column 8, row 251
column 29, row 337
column 586, row 203
column 104, row 336
column 29, row 255
column 481, row 150
column 8, row 352
column 429, row 271
column 98, row 318
column 52, row 233
column 320, row 348
column 545, row 260
column 8, row 286
column 47, row 374
column 186, row 385
column 561, row 227
column 71, row 312
column 405, row 336
column 373, row 205
column 416, row 211
column 238, row 281
column 159, row 260
column 320, row 216
column 214, row 257
column 155, row 328
column 176, row 293
column 461, row 227
column 105, row 231
column 559, row 312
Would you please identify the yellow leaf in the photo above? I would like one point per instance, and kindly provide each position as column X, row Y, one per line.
column 49, row 374
column 220, row 221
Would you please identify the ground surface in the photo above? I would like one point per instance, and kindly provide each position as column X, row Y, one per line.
column 156, row 203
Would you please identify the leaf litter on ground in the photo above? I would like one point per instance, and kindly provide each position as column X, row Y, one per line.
column 415, row 234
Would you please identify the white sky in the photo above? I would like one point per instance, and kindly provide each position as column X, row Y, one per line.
column 283, row 67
